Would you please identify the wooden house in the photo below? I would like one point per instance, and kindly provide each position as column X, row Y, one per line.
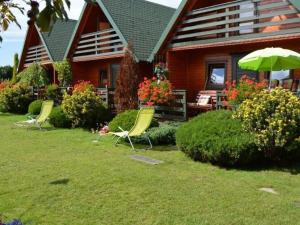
column 46, row 48
column 205, row 39
column 95, row 44
column 104, row 30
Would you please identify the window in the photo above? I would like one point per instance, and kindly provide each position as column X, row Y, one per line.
column 281, row 78
column 216, row 75
column 114, row 73
column 248, row 10
column 103, row 81
column 237, row 72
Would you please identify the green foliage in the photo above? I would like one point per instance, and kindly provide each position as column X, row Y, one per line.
column 35, row 107
column 85, row 109
column 15, row 69
column 5, row 72
column 126, row 121
column 59, row 119
column 64, row 72
column 274, row 118
column 15, row 99
column 165, row 134
column 53, row 93
column 35, row 75
column 217, row 138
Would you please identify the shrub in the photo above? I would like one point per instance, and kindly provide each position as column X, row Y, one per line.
column 4, row 84
column 153, row 92
column 35, row 107
column 53, row 93
column 59, row 119
column 165, row 134
column 245, row 89
column 82, row 86
column 217, row 138
column 274, row 118
column 85, row 109
column 15, row 99
column 35, row 75
column 64, row 72
column 126, row 121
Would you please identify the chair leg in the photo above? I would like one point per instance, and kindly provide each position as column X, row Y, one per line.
column 150, row 143
column 131, row 143
column 117, row 141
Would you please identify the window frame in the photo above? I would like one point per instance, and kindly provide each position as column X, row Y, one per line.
column 208, row 85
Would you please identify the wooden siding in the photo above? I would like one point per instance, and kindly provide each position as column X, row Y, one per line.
column 95, row 37
column 211, row 22
column 188, row 68
column 90, row 70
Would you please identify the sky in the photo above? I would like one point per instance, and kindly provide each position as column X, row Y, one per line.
column 13, row 38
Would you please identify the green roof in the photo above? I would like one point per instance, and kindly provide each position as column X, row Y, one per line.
column 139, row 22
column 58, row 39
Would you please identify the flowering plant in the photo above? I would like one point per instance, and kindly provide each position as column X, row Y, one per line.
column 4, row 84
column 82, row 86
column 14, row 222
column 237, row 93
column 151, row 92
column 161, row 71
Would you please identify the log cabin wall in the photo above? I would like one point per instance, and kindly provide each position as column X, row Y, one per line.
column 188, row 69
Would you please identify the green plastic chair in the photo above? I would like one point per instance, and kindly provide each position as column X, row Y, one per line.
column 142, row 123
column 46, row 110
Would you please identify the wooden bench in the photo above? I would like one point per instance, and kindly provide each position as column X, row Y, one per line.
column 212, row 104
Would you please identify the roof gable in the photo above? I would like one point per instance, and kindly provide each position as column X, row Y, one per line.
column 137, row 21
column 141, row 22
column 179, row 13
column 57, row 41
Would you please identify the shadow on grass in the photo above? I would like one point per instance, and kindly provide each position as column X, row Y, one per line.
column 64, row 181
column 292, row 168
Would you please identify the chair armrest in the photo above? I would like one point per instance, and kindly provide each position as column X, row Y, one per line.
column 121, row 129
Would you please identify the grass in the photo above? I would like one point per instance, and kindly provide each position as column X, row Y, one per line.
column 62, row 177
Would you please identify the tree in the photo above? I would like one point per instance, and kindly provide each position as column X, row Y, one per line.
column 64, row 72
column 15, row 68
column 45, row 19
column 5, row 72
column 35, row 75
column 127, row 83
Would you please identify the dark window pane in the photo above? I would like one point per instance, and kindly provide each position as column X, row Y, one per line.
column 114, row 71
column 103, row 78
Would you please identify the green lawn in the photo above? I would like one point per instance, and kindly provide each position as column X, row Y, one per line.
column 60, row 177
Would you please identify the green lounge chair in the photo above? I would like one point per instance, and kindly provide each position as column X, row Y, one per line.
column 46, row 110
column 142, row 123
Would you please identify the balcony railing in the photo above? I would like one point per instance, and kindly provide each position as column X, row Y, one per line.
column 36, row 54
column 237, row 20
column 102, row 43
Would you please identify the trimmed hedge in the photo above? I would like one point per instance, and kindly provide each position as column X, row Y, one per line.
column 217, row 138
column 126, row 120
column 35, row 107
column 165, row 134
column 59, row 119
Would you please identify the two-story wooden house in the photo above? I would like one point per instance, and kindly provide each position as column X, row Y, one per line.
column 95, row 45
column 205, row 39
column 46, row 48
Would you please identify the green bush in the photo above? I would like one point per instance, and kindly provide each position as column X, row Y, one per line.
column 35, row 75
column 85, row 109
column 165, row 134
column 53, row 93
column 217, row 138
column 59, row 119
column 274, row 118
column 16, row 99
column 35, row 107
column 126, row 121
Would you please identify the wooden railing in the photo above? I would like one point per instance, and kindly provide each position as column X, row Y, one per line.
column 107, row 96
column 237, row 20
column 176, row 110
column 102, row 43
column 36, row 54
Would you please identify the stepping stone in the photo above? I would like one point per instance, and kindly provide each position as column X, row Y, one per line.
column 146, row 160
column 269, row 190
